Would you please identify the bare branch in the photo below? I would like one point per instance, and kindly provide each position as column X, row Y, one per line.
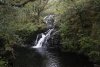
column 18, row 4
column 42, row 8
column 22, row 4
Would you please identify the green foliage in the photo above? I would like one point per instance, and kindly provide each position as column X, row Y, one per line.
column 79, row 27
column 95, row 56
column 90, row 47
column 3, row 63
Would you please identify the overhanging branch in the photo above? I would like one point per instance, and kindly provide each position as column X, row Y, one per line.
column 18, row 4
column 22, row 4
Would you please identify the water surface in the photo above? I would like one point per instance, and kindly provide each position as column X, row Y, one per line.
column 29, row 57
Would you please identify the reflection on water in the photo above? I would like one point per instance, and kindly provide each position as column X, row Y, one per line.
column 51, row 60
column 26, row 57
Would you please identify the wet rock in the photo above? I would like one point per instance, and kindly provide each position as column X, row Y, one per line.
column 96, row 65
column 55, row 39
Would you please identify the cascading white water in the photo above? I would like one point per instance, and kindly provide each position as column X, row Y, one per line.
column 50, row 25
column 43, row 39
column 40, row 42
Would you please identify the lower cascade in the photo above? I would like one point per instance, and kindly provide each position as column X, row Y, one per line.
column 40, row 41
column 43, row 39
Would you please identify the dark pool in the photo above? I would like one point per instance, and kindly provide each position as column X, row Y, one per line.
column 29, row 57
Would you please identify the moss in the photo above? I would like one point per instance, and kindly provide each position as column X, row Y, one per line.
column 3, row 63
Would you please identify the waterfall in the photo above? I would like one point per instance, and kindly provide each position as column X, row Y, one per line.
column 40, row 42
column 49, row 20
column 43, row 39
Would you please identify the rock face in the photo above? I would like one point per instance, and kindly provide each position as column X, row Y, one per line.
column 50, row 21
column 95, row 65
column 54, row 40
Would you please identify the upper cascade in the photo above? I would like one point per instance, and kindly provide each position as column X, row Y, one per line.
column 50, row 21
